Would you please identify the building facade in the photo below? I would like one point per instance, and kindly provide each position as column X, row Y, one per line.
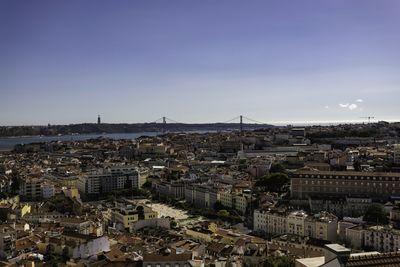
column 322, row 225
column 108, row 180
column 379, row 238
column 305, row 184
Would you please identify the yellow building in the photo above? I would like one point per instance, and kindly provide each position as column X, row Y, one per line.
column 25, row 209
column 126, row 217
column 204, row 234
column 225, row 197
column 241, row 202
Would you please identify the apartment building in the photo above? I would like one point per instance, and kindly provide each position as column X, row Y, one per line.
column 76, row 225
column 242, row 201
column 84, row 246
column 295, row 223
column 48, row 190
column 396, row 154
column 201, row 196
column 380, row 238
column 108, row 180
column 307, row 183
column 173, row 189
column 226, row 198
column 35, row 189
column 322, row 225
column 90, row 184
column 235, row 200
column 31, row 189
column 8, row 237
column 270, row 222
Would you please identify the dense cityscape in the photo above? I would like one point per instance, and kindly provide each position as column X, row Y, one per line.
column 229, row 133
column 280, row 196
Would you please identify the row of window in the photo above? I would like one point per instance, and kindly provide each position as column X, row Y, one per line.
column 167, row 265
column 345, row 182
column 380, row 178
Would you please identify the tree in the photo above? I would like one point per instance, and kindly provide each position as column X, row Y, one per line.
column 284, row 261
column 277, row 168
column 147, row 185
column 273, row 182
column 376, row 214
column 218, row 206
column 2, row 169
column 223, row 213
column 173, row 224
column 357, row 165
column 278, row 180
column 15, row 181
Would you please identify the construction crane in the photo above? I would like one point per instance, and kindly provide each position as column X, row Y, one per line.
column 369, row 118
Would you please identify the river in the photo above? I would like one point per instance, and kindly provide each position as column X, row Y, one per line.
column 8, row 143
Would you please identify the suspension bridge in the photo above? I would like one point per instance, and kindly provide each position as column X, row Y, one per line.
column 238, row 122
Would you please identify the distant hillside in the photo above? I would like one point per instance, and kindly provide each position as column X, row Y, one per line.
column 87, row 128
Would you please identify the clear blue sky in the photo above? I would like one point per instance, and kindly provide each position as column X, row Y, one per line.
column 198, row 61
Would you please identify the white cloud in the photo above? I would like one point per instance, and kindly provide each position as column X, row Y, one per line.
column 326, row 107
column 352, row 106
column 359, row 100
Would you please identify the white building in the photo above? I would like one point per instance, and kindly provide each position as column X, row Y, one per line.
column 320, row 226
column 90, row 184
column 296, row 223
column 108, row 180
column 85, row 246
column 270, row 222
column 380, row 238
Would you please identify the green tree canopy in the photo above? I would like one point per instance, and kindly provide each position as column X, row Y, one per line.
column 2, row 168
column 218, row 206
column 277, row 168
column 173, row 224
column 223, row 213
column 376, row 214
column 274, row 182
column 284, row 261
column 15, row 181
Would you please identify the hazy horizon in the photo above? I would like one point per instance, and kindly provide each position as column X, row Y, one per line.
column 64, row 62
column 277, row 123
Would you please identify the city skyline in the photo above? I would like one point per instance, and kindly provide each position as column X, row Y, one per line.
column 274, row 61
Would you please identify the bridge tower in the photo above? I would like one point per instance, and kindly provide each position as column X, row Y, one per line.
column 164, row 127
column 241, row 123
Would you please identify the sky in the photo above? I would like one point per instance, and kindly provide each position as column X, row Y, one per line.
column 66, row 61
